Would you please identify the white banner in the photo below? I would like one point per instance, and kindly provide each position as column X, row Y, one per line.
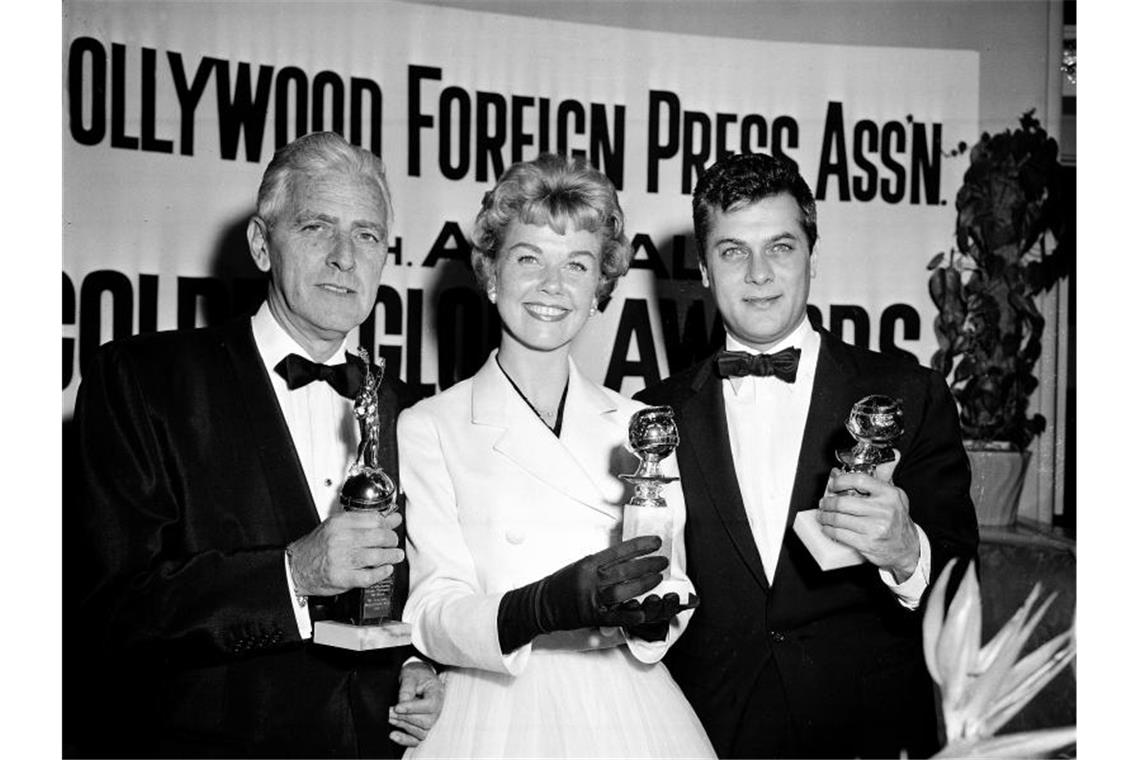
column 173, row 109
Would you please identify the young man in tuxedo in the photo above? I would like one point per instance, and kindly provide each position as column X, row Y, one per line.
column 210, row 463
column 783, row 659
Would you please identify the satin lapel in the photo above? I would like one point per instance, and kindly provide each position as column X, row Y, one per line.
column 528, row 443
column 824, row 430
column 288, row 491
column 706, row 428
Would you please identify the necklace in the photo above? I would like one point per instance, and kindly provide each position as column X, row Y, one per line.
column 551, row 418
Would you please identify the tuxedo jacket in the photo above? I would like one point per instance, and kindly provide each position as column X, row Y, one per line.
column 191, row 489
column 823, row 664
column 496, row 501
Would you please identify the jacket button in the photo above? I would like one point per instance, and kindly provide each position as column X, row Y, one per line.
column 515, row 536
column 777, row 636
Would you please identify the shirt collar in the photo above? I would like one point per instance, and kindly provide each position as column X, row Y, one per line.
column 274, row 344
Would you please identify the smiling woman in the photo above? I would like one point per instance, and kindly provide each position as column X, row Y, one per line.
column 518, row 580
column 545, row 286
column 548, row 246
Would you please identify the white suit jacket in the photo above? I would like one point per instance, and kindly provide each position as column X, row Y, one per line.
column 495, row 501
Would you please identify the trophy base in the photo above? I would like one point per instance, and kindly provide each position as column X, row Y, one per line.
column 828, row 553
column 362, row 638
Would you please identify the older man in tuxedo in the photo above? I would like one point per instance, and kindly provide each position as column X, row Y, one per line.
column 783, row 659
column 210, row 462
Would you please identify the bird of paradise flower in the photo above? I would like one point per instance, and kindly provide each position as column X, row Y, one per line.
column 984, row 686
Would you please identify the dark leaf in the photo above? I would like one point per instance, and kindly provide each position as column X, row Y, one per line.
column 964, row 369
column 937, row 287
column 940, row 362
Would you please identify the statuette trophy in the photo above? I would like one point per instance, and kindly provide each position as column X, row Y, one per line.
column 363, row 617
column 875, row 422
column 653, row 437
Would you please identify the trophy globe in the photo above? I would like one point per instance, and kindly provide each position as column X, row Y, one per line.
column 875, row 422
column 653, row 437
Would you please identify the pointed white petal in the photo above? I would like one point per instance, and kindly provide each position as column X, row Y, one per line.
column 1006, row 708
column 1014, row 624
column 932, row 620
column 958, row 643
column 988, row 685
column 1034, row 662
column 1030, row 744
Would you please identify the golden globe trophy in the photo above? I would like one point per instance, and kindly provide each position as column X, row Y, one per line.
column 653, row 437
column 362, row 617
column 875, row 422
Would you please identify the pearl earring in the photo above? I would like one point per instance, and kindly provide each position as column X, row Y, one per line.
column 492, row 296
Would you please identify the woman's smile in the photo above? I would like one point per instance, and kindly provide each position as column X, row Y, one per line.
column 545, row 312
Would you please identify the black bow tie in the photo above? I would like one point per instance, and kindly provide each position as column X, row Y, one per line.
column 345, row 379
column 782, row 365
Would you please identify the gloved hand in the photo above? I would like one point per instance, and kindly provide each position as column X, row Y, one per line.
column 584, row 594
column 659, row 611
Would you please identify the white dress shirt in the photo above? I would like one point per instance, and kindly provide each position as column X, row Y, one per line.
column 766, row 420
column 321, row 423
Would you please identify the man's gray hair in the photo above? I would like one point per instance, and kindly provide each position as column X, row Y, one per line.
column 318, row 153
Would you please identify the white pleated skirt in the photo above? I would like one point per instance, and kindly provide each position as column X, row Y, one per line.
column 600, row 703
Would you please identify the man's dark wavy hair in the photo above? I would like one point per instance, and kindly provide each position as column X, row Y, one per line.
column 741, row 180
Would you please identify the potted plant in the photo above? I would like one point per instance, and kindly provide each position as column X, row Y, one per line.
column 1015, row 237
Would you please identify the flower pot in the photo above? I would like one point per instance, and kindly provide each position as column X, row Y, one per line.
column 996, row 484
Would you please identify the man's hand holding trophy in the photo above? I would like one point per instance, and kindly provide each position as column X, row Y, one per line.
column 862, row 508
column 855, row 513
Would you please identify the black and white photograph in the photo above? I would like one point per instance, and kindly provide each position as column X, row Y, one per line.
column 569, row 379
